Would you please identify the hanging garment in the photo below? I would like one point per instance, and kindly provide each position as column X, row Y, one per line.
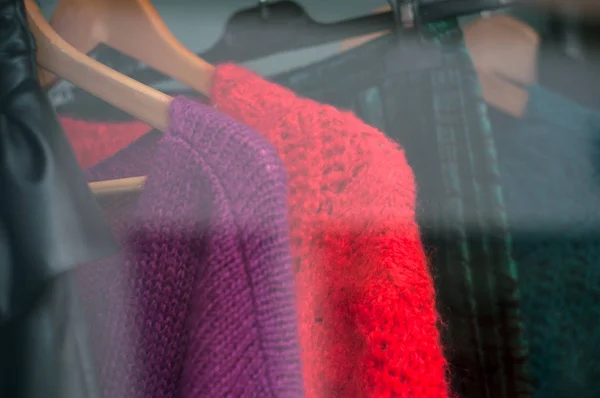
column 549, row 163
column 368, row 324
column 426, row 96
column 205, row 295
column 361, row 274
column 95, row 142
column 362, row 280
column 49, row 225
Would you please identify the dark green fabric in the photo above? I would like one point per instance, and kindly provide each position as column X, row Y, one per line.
column 549, row 167
column 436, row 114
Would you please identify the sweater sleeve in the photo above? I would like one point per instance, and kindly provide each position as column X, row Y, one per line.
column 389, row 299
column 380, row 267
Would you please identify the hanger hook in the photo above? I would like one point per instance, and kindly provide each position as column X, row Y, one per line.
column 404, row 13
column 264, row 9
column 571, row 30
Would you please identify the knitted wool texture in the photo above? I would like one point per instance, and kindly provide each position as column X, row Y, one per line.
column 438, row 114
column 379, row 335
column 94, row 142
column 549, row 168
column 207, row 264
column 368, row 324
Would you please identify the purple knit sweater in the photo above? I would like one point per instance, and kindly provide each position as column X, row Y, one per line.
column 201, row 301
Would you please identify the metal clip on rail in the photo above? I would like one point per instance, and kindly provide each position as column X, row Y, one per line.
column 411, row 13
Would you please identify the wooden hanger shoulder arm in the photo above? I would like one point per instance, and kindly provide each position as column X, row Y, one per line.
column 134, row 28
column 60, row 58
column 118, row 186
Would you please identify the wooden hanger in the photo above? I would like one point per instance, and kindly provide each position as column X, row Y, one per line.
column 118, row 186
column 134, row 28
column 357, row 41
column 500, row 47
column 59, row 57
column 503, row 50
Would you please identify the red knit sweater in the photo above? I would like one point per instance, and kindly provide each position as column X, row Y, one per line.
column 366, row 302
column 94, row 142
column 365, row 296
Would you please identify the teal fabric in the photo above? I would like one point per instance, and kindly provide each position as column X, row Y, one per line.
column 436, row 113
column 550, row 168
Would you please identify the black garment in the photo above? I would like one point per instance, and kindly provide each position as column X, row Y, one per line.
column 49, row 223
column 423, row 92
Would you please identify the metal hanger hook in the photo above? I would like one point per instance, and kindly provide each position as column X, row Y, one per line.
column 264, row 9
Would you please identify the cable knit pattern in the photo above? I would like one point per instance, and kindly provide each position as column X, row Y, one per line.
column 365, row 297
column 208, row 263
